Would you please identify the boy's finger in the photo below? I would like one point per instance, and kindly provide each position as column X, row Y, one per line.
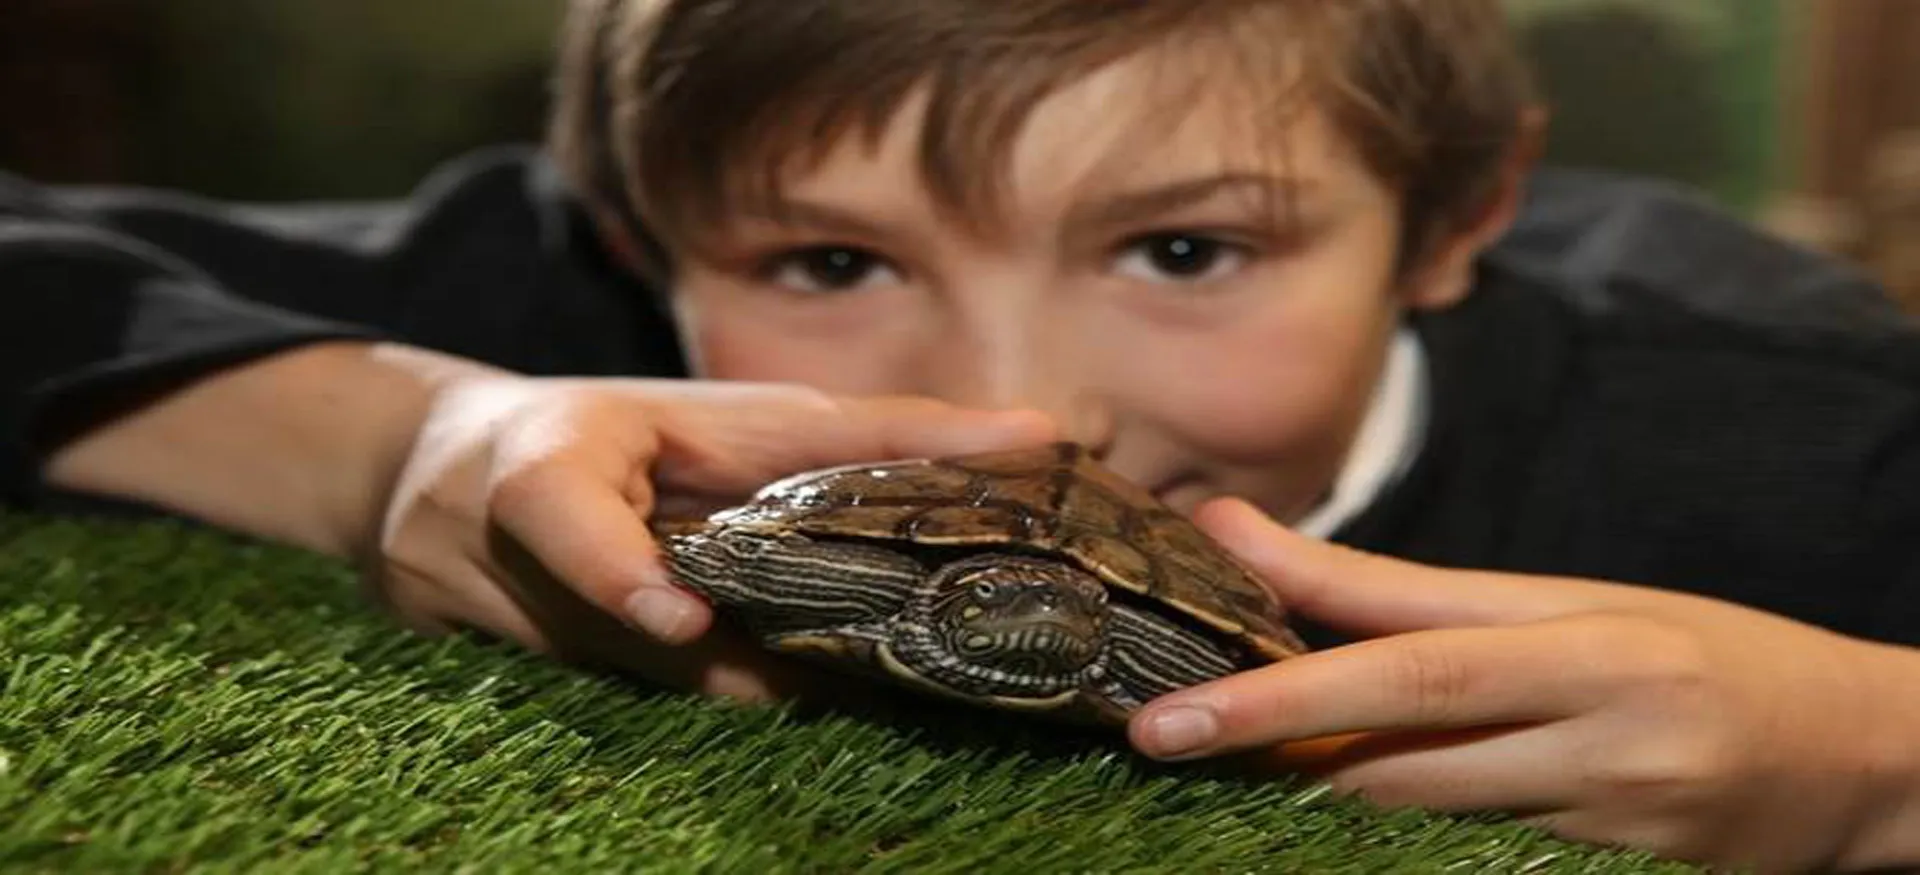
column 719, row 663
column 738, row 443
column 908, row 427
column 1367, row 594
column 1439, row 680
column 483, row 604
column 575, row 518
column 1505, row 768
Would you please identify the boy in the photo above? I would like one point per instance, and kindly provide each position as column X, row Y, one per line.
column 1241, row 247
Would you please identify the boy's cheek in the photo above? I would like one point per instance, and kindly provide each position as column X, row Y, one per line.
column 1273, row 390
column 1267, row 423
column 1256, row 399
column 749, row 351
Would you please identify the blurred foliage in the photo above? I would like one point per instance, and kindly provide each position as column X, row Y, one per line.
column 1689, row 91
column 342, row 97
column 358, row 98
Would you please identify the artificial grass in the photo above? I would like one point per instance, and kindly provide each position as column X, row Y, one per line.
column 176, row 699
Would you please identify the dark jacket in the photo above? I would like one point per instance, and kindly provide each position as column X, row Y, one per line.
column 1639, row 388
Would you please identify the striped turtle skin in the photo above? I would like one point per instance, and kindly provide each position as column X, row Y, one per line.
column 1032, row 580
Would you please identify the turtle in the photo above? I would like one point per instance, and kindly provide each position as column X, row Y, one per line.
column 1033, row 580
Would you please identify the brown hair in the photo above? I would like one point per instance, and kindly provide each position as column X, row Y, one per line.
column 669, row 112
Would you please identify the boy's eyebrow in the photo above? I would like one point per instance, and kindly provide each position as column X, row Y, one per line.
column 1149, row 203
column 1130, row 207
column 787, row 211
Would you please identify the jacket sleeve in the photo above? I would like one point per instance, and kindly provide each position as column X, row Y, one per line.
column 109, row 294
column 91, row 316
column 1597, row 230
column 1891, row 511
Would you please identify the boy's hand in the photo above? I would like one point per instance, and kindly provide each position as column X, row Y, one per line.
column 1608, row 713
column 522, row 507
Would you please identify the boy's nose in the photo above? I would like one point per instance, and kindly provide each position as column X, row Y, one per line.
column 1079, row 408
column 1082, row 418
column 1009, row 341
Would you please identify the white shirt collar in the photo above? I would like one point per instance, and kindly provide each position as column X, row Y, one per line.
column 1389, row 440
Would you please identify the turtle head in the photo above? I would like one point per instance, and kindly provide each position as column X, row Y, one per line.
column 1024, row 617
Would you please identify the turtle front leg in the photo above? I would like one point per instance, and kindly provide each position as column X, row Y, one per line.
column 1149, row 656
column 786, row 587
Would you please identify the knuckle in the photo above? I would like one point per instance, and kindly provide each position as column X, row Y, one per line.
column 1433, row 678
column 1669, row 772
column 1674, row 665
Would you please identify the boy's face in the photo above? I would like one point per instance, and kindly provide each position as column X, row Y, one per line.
column 1144, row 280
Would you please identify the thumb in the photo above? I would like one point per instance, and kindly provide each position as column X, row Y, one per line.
column 1372, row 595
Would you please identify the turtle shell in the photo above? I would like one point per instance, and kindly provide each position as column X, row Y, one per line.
column 1055, row 499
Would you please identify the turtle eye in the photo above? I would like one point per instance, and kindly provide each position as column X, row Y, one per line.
column 985, row 590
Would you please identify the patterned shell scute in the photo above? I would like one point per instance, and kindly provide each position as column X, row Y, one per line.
column 1056, row 498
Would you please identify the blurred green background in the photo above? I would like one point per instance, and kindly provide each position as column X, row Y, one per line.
column 359, row 98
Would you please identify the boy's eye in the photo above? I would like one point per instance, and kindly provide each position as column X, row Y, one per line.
column 1179, row 257
column 827, row 269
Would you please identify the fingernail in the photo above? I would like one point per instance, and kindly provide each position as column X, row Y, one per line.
column 664, row 612
column 1178, row 731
